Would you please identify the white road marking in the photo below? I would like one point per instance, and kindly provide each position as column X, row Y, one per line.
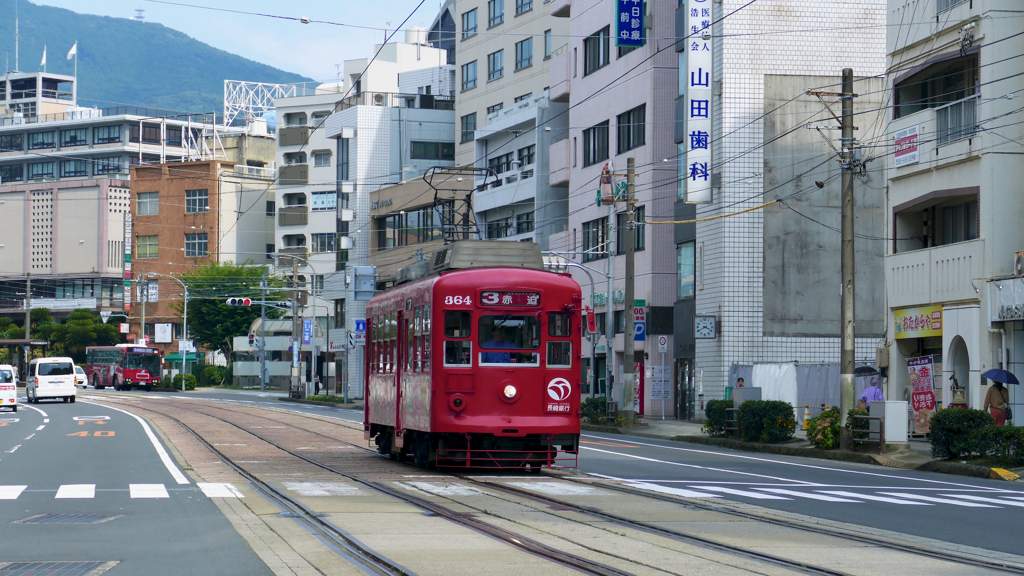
column 444, row 489
column 81, row 418
column 148, row 491
column 691, row 465
column 671, row 491
column 323, row 489
column 874, row 497
column 11, row 451
column 76, row 491
column 219, row 490
column 806, row 495
column 987, row 500
column 30, row 436
column 11, row 492
column 46, row 420
column 40, row 427
column 10, row 420
column 558, row 488
column 939, row 500
column 744, row 493
column 31, row 407
column 176, row 473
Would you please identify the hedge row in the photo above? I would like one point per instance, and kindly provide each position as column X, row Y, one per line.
column 963, row 433
column 767, row 421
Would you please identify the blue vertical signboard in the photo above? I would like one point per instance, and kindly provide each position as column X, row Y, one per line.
column 699, row 63
column 630, row 27
column 307, row 332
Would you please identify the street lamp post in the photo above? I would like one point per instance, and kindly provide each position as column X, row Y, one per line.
column 184, row 325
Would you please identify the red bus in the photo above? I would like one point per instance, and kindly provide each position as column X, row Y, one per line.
column 122, row 366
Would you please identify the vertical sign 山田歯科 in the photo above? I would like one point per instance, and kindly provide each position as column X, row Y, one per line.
column 630, row 23
column 699, row 49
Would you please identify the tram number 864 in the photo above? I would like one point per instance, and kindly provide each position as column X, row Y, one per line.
column 467, row 300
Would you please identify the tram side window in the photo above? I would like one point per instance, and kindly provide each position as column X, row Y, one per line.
column 392, row 342
column 457, row 324
column 508, row 339
column 426, row 338
column 559, row 325
column 559, row 354
column 410, row 343
column 416, row 356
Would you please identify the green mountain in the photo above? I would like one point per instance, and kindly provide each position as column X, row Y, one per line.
column 126, row 62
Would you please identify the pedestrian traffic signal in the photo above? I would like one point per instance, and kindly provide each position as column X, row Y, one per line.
column 239, row 302
column 252, row 339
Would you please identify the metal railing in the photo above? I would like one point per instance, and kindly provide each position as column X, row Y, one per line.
column 956, row 120
column 865, row 436
column 394, row 100
column 13, row 119
column 942, row 5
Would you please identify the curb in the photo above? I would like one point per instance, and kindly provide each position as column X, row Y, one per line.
column 320, row 403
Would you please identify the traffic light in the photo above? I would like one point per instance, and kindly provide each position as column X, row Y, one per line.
column 239, row 302
column 252, row 339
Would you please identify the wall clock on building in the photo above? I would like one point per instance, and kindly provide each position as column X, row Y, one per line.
column 705, row 327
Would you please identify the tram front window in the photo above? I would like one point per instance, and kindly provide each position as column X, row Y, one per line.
column 507, row 339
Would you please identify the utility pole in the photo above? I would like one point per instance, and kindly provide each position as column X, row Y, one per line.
column 143, row 299
column 28, row 322
column 628, row 364
column 263, row 330
column 846, row 359
column 296, row 338
column 609, row 323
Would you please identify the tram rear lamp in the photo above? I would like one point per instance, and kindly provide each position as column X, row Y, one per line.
column 510, row 391
column 458, row 402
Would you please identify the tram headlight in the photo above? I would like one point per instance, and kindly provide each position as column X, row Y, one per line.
column 510, row 391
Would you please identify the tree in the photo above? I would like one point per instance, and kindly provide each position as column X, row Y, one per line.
column 211, row 322
column 82, row 330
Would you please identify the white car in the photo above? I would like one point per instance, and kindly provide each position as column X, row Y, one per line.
column 51, row 378
column 80, row 379
column 8, row 387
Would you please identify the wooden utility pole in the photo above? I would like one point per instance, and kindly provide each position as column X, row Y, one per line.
column 628, row 333
column 296, row 337
column 846, row 359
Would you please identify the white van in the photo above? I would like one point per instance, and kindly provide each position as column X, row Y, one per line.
column 51, row 378
column 8, row 387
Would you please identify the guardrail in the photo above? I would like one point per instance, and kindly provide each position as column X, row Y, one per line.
column 865, row 436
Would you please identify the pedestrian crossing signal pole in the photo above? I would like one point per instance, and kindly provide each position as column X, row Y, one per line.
column 846, row 359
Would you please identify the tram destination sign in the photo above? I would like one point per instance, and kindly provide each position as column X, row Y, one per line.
column 497, row 298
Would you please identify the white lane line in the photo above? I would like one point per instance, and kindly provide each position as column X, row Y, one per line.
column 807, row 495
column 671, row 491
column 744, row 493
column 874, row 497
column 634, row 456
column 176, row 472
column 11, row 451
column 987, row 500
column 939, row 500
column 76, row 491
column 40, row 427
column 11, row 492
column 782, row 462
column 31, row 407
column 219, row 490
column 46, row 420
column 148, row 491
column 30, row 436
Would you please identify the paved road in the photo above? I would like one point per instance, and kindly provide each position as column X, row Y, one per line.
column 83, row 459
column 968, row 511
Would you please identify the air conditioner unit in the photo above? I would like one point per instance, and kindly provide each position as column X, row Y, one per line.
column 378, row 99
column 1018, row 263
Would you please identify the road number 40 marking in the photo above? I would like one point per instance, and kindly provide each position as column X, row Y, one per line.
column 100, row 433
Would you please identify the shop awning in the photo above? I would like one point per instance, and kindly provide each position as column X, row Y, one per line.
column 176, row 357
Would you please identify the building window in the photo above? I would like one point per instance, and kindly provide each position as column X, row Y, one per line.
column 494, row 108
column 270, row 251
column 595, row 240
column 147, row 246
column 41, row 140
column 38, row 170
column 499, row 228
column 469, row 24
column 73, row 168
column 111, row 165
column 317, row 118
column 76, row 137
column 468, row 127
column 12, row 143
column 938, row 85
column 196, row 201
column 527, row 155
column 106, row 134
column 495, row 65
column 595, row 51
column 524, row 54
column 547, row 44
column 524, row 223
column 324, row 242
column 469, row 76
column 495, row 12
column 413, row 227
column 523, row 97
column 631, row 128
column 196, row 245
column 12, row 173
column 958, row 223
column 324, row 201
column 321, row 158
column 685, row 268
column 150, row 134
column 620, row 230
column 271, row 208
column 147, row 203
column 595, row 144
column 523, row 6
column 432, row 151
column 500, row 164
column 318, row 284
column 343, row 160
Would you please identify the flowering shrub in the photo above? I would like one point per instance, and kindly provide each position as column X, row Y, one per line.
column 823, row 429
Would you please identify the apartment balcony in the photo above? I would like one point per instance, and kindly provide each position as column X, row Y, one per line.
column 560, row 8
column 293, row 215
column 956, row 120
column 293, row 135
column 933, row 275
column 293, row 174
column 559, row 163
column 561, row 76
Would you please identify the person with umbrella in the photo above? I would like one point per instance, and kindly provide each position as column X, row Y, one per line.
column 872, row 392
column 997, row 399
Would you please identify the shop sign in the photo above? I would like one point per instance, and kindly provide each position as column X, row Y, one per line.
column 1006, row 300
column 921, row 322
column 907, row 151
column 923, row 396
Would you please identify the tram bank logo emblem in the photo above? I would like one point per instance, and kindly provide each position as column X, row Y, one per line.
column 559, row 390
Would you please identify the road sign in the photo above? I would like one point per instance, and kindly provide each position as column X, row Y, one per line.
column 122, row 327
column 144, row 340
column 639, row 323
column 105, row 315
column 357, row 339
column 662, row 343
column 360, row 326
column 186, row 346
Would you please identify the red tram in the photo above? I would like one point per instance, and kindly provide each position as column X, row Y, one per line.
column 473, row 361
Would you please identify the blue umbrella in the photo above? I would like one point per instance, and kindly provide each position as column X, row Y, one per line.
column 1003, row 376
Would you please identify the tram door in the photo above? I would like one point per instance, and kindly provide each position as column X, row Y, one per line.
column 686, row 392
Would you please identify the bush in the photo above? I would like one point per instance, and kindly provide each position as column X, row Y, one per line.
column 767, row 421
column 595, row 410
column 1003, row 442
column 165, row 383
column 715, row 413
column 213, row 376
column 823, row 429
column 953, row 432
column 857, row 427
column 325, row 398
column 190, row 382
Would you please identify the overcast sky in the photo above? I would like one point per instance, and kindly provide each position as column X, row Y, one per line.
column 308, row 49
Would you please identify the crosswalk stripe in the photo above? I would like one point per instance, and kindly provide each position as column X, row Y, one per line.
column 11, row 492
column 754, row 495
column 671, row 491
column 988, row 500
column 806, row 495
column 76, row 491
column 148, row 491
column 219, row 490
column 874, row 497
column 939, row 500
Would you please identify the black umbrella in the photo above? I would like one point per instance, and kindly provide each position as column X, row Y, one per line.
column 865, row 371
column 997, row 375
